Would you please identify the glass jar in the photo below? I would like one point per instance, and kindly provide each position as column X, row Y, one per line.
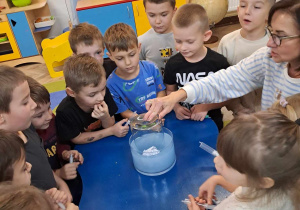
column 152, row 146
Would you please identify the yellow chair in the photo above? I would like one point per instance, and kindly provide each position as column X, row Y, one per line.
column 55, row 51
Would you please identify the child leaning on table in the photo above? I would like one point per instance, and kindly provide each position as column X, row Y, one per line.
column 87, row 38
column 16, row 111
column 239, row 44
column 86, row 114
column 16, row 171
column 133, row 82
column 290, row 107
column 260, row 154
column 157, row 44
column 43, row 121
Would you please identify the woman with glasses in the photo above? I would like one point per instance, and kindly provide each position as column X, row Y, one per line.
column 275, row 68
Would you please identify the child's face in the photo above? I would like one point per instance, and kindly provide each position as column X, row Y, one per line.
column 95, row 50
column 22, row 175
column 253, row 14
column 231, row 175
column 189, row 41
column 127, row 61
column 21, row 109
column 160, row 16
column 90, row 96
column 42, row 117
column 283, row 24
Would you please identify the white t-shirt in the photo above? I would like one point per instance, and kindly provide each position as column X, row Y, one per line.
column 282, row 202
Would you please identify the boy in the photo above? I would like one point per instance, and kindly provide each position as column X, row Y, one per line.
column 43, row 121
column 16, row 111
column 133, row 82
column 157, row 44
column 86, row 114
column 194, row 60
column 239, row 44
column 86, row 38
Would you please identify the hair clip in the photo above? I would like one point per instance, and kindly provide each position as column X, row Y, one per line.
column 298, row 121
column 283, row 102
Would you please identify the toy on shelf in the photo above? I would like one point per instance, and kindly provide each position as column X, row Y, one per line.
column 21, row 3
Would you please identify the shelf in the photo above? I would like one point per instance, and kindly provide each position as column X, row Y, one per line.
column 6, row 42
column 89, row 4
column 36, row 4
column 37, row 30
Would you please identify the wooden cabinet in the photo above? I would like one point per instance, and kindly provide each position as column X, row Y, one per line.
column 140, row 16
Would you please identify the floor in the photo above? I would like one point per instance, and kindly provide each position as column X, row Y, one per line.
column 39, row 71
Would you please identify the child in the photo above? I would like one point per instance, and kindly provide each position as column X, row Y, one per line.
column 194, row 60
column 86, row 38
column 239, row 44
column 26, row 198
column 274, row 68
column 14, row 168
column 16, row 111
column 265, row 164
column 86, row 114
column 43, row 121
column 157, row 44
column 290, row 107
column 133, row 81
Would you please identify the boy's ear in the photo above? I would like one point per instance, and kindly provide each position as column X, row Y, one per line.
column 139, row 47
column 267, row 182
column 2, row 120
column 70, row 92
column 207, row 35
column 110, row 56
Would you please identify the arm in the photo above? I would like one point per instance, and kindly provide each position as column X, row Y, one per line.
column 127, row 114
column 101, row 112
column 161, row 94
column 61, row 185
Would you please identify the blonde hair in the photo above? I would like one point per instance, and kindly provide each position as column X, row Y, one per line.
column 120, row 37
column 81, row 71
column 188, row 14
column 14, row 197
column 85, row 33
column 291, row 110
column 264, row 144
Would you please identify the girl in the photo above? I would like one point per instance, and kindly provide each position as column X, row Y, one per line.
column 275, row 67
column 259, row 153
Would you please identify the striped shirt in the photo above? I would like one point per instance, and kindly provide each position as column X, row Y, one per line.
column 255, row 71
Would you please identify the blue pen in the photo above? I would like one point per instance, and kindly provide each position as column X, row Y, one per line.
column 208, row 149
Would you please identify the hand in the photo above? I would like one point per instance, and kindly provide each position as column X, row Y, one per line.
column 68, row 171
column 119, row 130
column 76, row 155
column 193, row 205
column 72, row 206
column 100, row 111
column 57, row 195
column 182, row 113
column 207, row 189
column 198, row 112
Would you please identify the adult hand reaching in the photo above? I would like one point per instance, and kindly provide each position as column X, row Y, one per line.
column 163, row 105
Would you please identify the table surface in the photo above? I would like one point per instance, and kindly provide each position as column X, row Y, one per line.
column 110, row 180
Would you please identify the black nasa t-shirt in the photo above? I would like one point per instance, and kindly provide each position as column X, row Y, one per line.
column 71, row 120
column 179, row 71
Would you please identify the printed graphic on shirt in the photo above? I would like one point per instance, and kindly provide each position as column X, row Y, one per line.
column 93, row 126
column 165, row 53
column 187, row 77
column 51, row 151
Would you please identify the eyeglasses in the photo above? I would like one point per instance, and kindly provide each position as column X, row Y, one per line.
column 277, row 39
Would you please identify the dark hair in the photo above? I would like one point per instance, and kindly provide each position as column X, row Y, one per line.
column 264, row 144
column 14, row 197
column 10, row 78
column 38, row 92
column 120, row 37
column 82, row 70
column 11, row 150
column 172, row 2
column 189, row 14
column 291, row 7
column 84, row 33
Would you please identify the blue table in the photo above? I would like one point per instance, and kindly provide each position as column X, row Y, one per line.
column 110, row 180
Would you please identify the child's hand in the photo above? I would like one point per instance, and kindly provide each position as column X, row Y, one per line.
column 100, row 111
column 119, row 130
column 72, row 206
column 198, row 113
column 68, row 171
column 193, row 205
column 181, row 112
column 76, row 155
column 207, row 189
column 57, row 195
